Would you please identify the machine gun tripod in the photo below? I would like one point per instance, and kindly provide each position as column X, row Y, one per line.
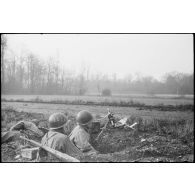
column 113, row 123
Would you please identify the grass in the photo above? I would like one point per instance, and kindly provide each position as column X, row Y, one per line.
column 100, row 111
column 119, row 103
column 175, row 129
column 162, row 138
column 115, row 99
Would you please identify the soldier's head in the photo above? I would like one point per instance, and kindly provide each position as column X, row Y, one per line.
column 57, row 122
column 84, row 118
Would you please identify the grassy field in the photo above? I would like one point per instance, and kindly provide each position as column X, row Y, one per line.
column 162, row 135
column 48, row 109
column 141, row 99
column 154, row 140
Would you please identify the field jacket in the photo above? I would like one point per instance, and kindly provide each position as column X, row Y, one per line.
column 60, row 142
column 81, row 139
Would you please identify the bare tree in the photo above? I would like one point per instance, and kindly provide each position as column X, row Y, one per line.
column 29, row 73
column 98, row 77
column 3, row 47
column 82, row 82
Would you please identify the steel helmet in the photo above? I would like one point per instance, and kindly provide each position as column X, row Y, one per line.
column 84, row 117
column 57, row 120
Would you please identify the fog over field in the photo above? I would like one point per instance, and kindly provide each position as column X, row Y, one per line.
column 148, row 100
column 78, row 64
column 151, row 55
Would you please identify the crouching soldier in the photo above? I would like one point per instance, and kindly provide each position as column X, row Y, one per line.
column 55, row 137
column 80, row 135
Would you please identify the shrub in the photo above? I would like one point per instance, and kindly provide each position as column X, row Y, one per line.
column 106, row 92
column 37, row 99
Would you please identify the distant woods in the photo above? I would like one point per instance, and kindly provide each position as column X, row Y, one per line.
column 29, row 74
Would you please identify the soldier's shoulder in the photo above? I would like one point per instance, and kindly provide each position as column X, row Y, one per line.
column 78, row 129
column 55, row 135
column 60, row 136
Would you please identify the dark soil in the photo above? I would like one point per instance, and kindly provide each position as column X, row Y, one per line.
column 153, row 140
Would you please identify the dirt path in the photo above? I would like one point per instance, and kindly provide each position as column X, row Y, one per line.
column 96, row 110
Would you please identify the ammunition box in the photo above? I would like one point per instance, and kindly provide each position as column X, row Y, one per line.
column 30, row 153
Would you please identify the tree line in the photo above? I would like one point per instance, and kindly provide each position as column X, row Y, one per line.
column 29, row 74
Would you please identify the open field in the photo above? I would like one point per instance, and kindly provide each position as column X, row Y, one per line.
column 141, row 99
column 48, row 109
column 160, row 136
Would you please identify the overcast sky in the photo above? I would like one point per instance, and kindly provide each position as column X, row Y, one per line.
column 123, row 54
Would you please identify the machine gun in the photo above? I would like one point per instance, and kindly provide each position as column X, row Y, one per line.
column 113, row 123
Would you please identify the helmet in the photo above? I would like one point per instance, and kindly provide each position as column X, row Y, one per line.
column 57, row 120
column 84, row 117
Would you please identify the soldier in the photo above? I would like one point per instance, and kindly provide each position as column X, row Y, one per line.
column 55, row 137
column 80, row 136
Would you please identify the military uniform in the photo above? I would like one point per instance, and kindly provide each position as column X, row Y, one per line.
column 60, row 142
column 81, row 139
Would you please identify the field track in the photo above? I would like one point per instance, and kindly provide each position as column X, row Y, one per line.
column 96, row 110
column 134, row 99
